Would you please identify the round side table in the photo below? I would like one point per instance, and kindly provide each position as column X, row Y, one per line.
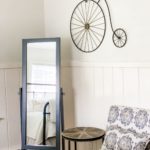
column 82, row 134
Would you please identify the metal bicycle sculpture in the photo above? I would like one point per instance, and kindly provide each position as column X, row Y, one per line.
column 88, row 27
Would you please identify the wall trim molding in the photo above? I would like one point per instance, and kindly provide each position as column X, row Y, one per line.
column 10, row 65
column 86, row 64
column 106, row 64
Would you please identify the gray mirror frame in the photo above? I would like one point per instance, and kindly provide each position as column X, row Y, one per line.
column 24, row 94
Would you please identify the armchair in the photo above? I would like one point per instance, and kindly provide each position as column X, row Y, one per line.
column 127, row 129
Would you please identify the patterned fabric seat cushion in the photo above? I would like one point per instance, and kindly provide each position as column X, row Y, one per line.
column 128, row 129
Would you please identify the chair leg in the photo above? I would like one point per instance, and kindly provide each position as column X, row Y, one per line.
column 63, row 143
column 75, row 145
column 103, row 139
column 69, row 145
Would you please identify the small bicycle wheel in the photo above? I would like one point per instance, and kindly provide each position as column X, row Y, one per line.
column 87, row 26
column 119, row 38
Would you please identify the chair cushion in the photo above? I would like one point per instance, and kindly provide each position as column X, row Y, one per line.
column 128, row 129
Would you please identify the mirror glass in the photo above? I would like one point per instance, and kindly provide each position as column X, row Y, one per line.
column 41, row 94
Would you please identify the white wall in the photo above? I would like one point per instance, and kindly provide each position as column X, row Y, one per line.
column 19, row 19
column 133, row 16
column 91, row 88
column 10, row 79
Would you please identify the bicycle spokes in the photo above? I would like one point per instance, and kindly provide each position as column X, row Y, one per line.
column 88, row 27
column 119, row 38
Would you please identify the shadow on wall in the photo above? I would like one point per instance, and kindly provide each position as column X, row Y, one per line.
column 67, row 84
column 76, row 82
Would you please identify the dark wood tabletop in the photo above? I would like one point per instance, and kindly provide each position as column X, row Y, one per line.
column 83, row 134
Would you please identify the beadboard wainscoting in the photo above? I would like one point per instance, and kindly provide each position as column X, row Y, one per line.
column 90, row 89
column 10, row 77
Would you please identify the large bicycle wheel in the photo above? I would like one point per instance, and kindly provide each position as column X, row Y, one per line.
column 87, row 26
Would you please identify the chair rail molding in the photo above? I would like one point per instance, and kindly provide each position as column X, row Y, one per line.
column 105, row 64
column 10, row 65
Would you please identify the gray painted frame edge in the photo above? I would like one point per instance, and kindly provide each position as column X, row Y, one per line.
column 24, row 90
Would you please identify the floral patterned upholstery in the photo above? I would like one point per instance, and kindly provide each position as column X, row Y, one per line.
column 128, row 129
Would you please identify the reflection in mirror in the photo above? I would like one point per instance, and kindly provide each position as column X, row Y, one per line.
column 41, row 94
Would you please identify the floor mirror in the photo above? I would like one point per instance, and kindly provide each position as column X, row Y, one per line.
column 40, row 98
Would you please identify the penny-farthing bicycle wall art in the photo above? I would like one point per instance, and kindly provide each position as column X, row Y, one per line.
column 88, row 27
